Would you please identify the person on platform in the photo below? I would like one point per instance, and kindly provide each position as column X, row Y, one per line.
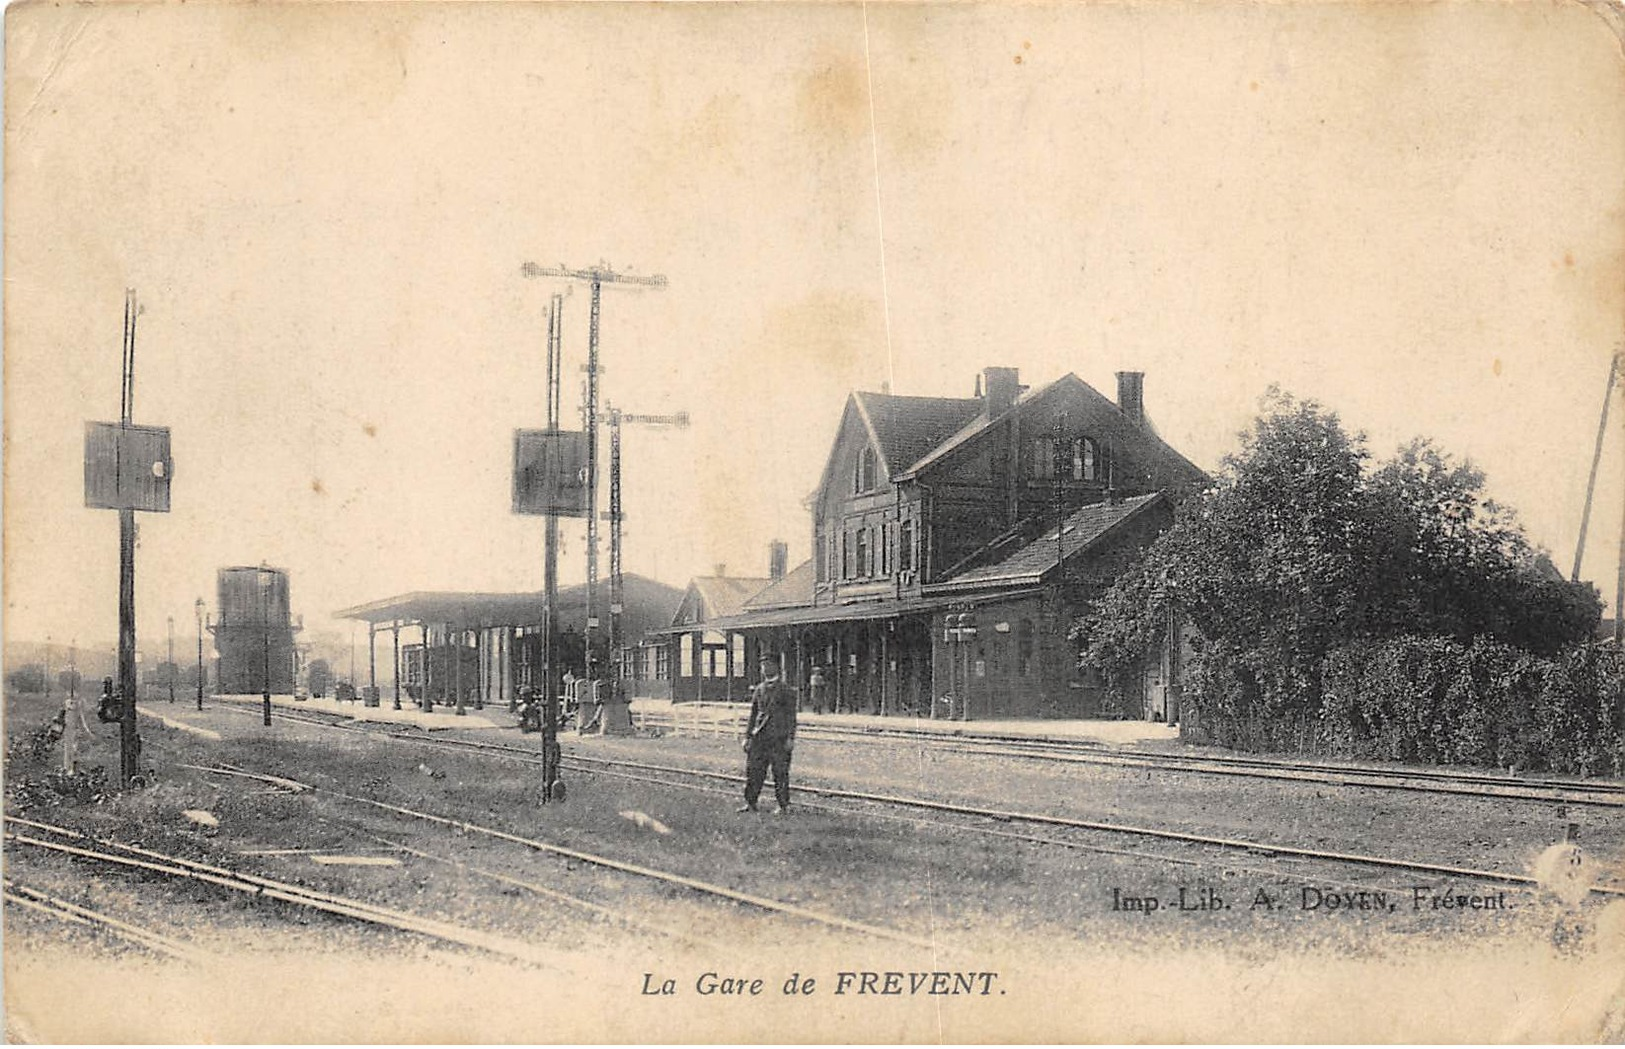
column 770, row 736
column 819, row 686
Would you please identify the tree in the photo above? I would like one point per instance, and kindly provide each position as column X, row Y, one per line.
column 1298, row 548
column 1458, row 564
column 30, row 677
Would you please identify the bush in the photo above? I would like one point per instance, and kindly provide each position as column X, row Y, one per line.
column 1436, row 700
column 84, row 787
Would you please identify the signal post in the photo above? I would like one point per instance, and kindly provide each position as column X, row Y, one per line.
column 127, row 468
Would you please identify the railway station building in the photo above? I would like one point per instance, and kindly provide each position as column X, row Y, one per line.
column 954, row 541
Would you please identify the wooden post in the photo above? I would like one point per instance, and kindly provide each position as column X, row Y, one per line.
column 482, row 645
column 457, row 671
column 395, row 629
column 372, row 657
column 840, row 668
column 886, row 666
column 426, row 703
column 129, row 742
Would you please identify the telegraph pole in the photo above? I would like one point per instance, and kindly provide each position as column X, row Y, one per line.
column 596, row 277
column 614, row 691
column 591, row 409
column 616, row 517
column 129, row 750
column 1591, row 482
column 198, row 607
column 549, row 479
column 1062, row 461
column 550, row 564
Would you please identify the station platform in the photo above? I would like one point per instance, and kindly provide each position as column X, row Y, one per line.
column 385, row 713
column 715, row 718
column 702, row 717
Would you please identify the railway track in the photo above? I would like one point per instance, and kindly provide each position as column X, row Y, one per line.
column 84, row 848
column 1603, row 794
column 75, row 914
column 674, row 776
column 1460, row 782
column 704, row 888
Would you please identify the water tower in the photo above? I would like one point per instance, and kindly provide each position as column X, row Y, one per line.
column 254, row 630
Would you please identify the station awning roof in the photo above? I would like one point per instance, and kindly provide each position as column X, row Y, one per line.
column 807, row 615
column 454, row 607
column 646, row 603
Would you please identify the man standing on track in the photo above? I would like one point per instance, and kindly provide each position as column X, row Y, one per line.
column 770, row 736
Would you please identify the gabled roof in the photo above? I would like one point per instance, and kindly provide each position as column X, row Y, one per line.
column 980, row 424
column 793, row 591
column 725, row 595
column 907, row 428
column 1030, row 562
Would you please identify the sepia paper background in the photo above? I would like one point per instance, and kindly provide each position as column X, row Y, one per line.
column 1414, row 213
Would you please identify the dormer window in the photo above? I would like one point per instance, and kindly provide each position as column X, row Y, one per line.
column 864, row 477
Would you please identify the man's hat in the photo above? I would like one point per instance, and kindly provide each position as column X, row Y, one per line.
column 769, row 658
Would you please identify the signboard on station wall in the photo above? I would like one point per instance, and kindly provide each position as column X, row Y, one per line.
column 550, row 472
column 127, row 467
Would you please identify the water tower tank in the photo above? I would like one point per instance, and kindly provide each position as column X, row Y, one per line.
column 252, row 596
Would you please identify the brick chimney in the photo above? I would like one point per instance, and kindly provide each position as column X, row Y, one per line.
column 999, row 389
column 1131, row 396
column 720, row 570
column 778, row 557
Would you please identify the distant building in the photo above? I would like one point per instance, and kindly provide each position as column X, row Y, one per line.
column 253, row 631
column 1006, row 511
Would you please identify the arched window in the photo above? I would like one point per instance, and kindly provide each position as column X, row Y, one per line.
column 864, row 476
column 1085, row 460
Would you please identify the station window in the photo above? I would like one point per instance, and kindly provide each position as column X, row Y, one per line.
column 1085, row 460
column 864, row 474
column 905, row 546
column 863, row 564
column 685, row 656
column 1043, row 458
column 739, row 655
column 1024, row 647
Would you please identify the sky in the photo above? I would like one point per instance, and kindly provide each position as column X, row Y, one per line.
column 1412, row 213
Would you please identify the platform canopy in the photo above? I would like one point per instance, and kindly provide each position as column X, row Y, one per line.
column 460, row 609
column 647, row 602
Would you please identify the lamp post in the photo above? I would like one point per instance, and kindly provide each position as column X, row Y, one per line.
column 198, row 607
column 70, row 714
column 265, row 581
column 170, row 669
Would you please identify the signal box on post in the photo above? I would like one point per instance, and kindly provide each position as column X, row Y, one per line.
column 127, row 467
column 550, row 472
